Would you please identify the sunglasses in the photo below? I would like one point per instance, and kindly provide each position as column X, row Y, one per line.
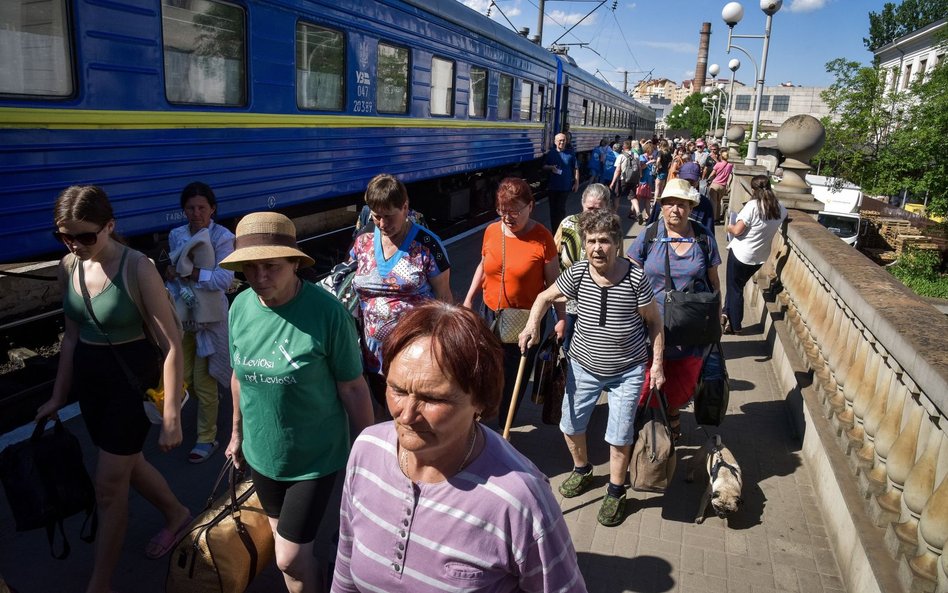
column 86, row 239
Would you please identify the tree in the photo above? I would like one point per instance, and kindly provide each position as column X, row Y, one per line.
column 886, row 143
column 895, row 21
column 690, row 115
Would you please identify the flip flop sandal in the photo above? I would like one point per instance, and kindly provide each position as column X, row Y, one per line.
column 202, row 451
column 164, row 540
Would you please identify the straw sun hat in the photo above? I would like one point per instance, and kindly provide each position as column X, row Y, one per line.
column 681, row 189
column 264, row 235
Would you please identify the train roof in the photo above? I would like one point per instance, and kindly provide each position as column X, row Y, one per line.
column 468, row 18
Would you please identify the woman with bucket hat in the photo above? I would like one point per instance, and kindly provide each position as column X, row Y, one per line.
column 297, row 386
column 692, row 260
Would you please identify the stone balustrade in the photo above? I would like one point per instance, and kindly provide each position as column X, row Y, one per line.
column 878, row 357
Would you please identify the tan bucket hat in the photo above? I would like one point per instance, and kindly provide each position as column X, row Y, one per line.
column 681, row 189
column 264, row 235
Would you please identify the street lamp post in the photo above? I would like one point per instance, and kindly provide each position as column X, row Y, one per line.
column 708, row 106
column 733, row 66
column 732, row 14
column 713, row 70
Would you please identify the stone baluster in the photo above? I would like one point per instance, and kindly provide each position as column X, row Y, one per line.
column 932, row 535
column 828, row 347
column 918, row 489
column 886, row 388
column 899, row 465
column 875, row 481
column 872, row 420
column 860, row 392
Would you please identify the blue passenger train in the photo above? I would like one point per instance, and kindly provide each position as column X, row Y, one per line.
column 277, row 104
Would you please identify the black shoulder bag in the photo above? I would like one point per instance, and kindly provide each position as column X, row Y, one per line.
column 46, row 482
column 691, row 318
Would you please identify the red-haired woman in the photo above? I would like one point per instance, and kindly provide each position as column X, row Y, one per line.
column 518, row 260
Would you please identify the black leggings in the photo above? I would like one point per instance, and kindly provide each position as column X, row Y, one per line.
column 298, row 505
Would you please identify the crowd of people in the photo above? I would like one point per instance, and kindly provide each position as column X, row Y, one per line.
column 398, row 398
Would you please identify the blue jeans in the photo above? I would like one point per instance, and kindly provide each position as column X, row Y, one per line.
column 582, row 393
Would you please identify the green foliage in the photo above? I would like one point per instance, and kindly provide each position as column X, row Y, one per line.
column 690, row 115
column 896, row 21
column 888, row 142
column 919, row 270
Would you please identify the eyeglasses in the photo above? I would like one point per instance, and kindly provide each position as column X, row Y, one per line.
column 86, row 239
column 512, row 213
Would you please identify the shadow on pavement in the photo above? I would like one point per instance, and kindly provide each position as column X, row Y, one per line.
column 615, row 574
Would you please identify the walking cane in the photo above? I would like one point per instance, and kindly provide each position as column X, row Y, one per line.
column 515, row 396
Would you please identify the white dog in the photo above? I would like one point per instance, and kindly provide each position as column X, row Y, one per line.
column 724, row 480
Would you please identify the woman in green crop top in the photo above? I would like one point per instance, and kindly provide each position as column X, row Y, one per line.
column 111, row 408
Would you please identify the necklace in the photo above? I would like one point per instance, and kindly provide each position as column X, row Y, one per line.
column 403, row 456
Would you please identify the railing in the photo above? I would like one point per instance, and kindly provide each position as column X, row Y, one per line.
column 879, row 358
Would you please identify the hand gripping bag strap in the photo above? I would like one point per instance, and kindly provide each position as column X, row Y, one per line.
column 227, row 545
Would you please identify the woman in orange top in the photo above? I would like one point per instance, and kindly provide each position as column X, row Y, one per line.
column 518, row 260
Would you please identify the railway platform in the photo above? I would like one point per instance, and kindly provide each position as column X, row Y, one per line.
column 778, row 541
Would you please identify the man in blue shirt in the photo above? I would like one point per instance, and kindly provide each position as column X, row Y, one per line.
column 564, row 178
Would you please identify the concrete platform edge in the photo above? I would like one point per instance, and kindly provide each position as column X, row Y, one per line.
column 864, row 564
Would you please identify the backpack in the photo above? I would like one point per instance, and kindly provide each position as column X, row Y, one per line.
column 631, row 169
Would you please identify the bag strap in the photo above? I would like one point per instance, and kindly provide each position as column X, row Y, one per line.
column 129, row 375
column 503, row 266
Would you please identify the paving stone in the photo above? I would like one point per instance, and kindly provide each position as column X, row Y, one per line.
column 715, row 563
column 832, row 582
column 785, row 578
column 747, row 563
column 751, row 577
column 692, row 559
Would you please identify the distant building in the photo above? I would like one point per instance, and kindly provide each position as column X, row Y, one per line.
column 910, row 57
column 656, row 87
column 777, row 105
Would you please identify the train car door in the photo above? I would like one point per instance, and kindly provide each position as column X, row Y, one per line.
column 546, row 115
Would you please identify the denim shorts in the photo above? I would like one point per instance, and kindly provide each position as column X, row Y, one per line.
column 582, row 393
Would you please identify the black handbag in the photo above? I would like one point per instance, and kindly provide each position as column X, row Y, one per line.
column 46, row 482
column 549, row 380
column 691, row 318
column 713, row 390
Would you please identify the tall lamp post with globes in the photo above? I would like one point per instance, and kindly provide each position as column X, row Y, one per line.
column 732, row 14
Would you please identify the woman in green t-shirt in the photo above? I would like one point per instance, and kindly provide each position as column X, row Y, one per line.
column 297, row 379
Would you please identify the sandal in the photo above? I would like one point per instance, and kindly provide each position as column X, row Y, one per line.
column 164, row 540
column 202, row 451
column 674, row 425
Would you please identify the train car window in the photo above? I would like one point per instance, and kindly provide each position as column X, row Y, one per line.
column 391, row 89
column 320, row 68
column 505, row 97
column 36, row 48
column 477, row 99
column 204, row 52
column 526, row 100
column 442, row 86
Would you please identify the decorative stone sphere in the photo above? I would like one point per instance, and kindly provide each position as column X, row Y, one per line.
column 801, row 137
column 735, row 134
column 719, row 132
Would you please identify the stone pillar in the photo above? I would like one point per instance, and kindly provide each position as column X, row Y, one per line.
column 735, row 135
column 799, row 138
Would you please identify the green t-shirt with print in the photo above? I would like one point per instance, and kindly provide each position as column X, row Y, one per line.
column 287, row 360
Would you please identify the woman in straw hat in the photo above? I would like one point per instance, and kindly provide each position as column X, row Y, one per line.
column 297, row 380
column 692, row 256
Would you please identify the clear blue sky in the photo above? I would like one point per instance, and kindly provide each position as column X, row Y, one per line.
column 663, row 36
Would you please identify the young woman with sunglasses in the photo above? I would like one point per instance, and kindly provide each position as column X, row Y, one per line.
column 89, row 367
